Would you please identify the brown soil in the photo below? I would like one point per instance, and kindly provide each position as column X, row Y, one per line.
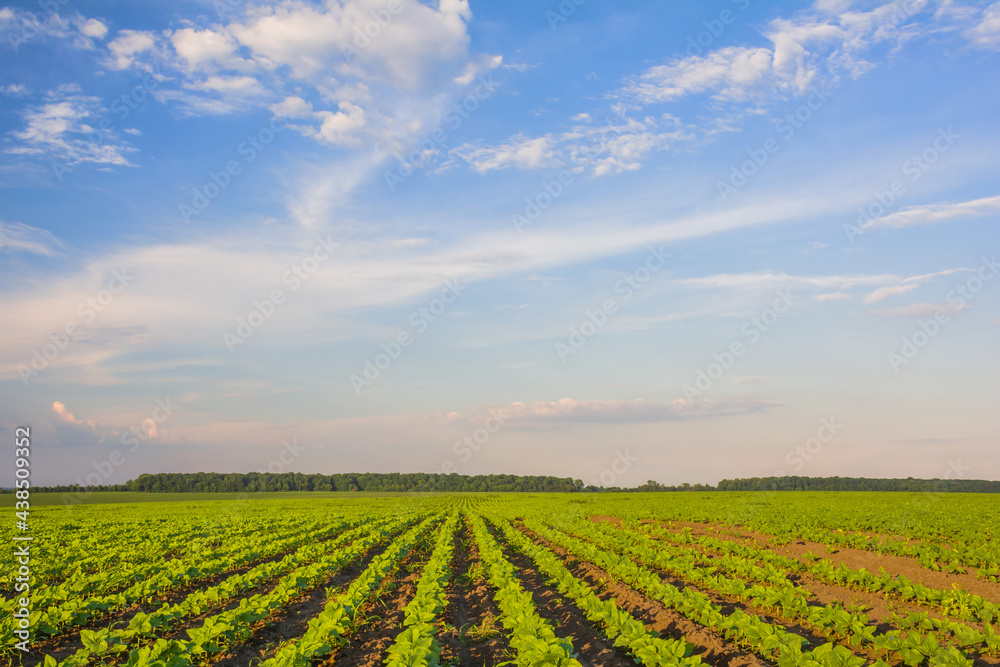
column 591, row 647
column 613, row 520
column 69, row 642
column 857, row 558
column 668, row 623
column 179, row 631
column 290, row 622
column 64, row 644
column 472, row 635
column 875, row 605
column 383, row 613
column 908, row 567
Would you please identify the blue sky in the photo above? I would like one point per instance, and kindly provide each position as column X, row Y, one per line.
column 703, row 240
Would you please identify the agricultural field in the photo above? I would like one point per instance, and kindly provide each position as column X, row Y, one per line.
column 741, row 579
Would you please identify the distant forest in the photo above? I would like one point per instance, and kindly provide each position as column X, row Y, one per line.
column 398, row 482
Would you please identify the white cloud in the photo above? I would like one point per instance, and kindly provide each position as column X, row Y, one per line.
column 169, row 305
column 375, row 86
column 340, row 128
column 199, row 47
column 128, row 44
column 920, row 309
column 904, row 286
column 611, row 148
column 812, row 48
column 235, row 85
column 627, row 412
column 931, row 213
column 315, row 43
column 14, row 90
column 16, row 236
column 808, row 55
column 146, row 430
column 795, row 65
column 94, row 28
column 729, row 73
column 292, row 107
column 519, row 151
column 832, row 296
column 336, row 128
column 519, row 67
column 58, row 129
column 67, row 416
column 770, row 280
column 986, row 33
column 18, row 26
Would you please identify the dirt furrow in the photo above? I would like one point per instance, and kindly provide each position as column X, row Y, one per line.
column 853, row 558
column 69, row 642
column 713, row 648
column 591, row 647
column 290, row 622
column 383, row 613
column 472, row 635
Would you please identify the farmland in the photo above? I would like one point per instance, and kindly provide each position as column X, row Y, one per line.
column 742, row 579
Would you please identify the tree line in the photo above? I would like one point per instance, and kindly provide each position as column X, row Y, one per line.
column 209, row 482
column 858, row 484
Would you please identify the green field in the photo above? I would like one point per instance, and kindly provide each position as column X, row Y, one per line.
column 281, row 579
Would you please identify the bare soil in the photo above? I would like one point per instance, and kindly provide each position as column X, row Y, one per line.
column 291, row 621
column 591, row 646
column 472, row 635
column 668, row 623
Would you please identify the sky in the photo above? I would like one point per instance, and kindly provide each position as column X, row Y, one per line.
column 679, row 241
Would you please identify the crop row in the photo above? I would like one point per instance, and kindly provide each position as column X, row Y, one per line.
column 957, row 603
column 833, row 621
column 532, row 637
column 769, row 641
column 417, row 645
column 61, row 606
column 222, row 629
column 326, row 631
column 619, row 625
